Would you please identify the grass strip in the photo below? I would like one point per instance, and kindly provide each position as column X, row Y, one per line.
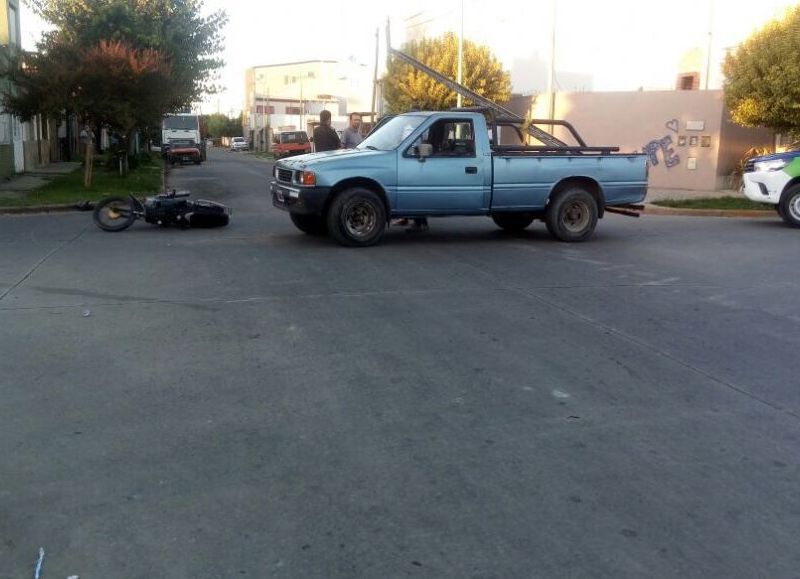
column 68, row 189
column 731, row 203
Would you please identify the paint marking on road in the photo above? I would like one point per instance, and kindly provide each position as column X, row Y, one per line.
column 665, row 281
column 560, row 394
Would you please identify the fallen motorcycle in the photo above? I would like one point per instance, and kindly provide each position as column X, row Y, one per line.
column 118, row 213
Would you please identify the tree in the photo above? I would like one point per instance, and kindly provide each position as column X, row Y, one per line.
column 122, row 64
column 220, row 125
column 761, row 87
column 406, row 88
column 189, row 42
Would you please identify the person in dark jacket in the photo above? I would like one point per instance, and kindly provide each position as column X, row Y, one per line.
column 325, row 138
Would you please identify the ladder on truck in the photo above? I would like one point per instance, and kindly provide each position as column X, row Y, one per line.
column 534, row 131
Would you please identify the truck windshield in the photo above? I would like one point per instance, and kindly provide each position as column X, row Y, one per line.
column 181, row 123
column 394, row 132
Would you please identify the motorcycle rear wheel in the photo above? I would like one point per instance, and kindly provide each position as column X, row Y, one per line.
column 114, row 214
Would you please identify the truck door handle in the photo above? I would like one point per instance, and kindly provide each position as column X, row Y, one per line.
column 470, row 170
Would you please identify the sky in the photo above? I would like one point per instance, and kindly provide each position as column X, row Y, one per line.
column 608, row 45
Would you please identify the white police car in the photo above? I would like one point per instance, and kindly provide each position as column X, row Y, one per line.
column 775, row 179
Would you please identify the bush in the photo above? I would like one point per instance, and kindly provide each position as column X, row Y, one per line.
column 738, row 173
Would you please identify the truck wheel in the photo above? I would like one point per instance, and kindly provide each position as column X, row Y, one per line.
column 789, row 207
column 512, row 221
column 309, row 224
column 572, row 215
column 357, row 218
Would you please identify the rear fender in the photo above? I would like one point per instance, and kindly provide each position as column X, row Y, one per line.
column 586, row 183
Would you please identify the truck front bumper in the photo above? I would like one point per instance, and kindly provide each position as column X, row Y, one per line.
column 301, row 200
column 764, row 186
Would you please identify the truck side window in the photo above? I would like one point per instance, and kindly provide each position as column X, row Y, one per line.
column 449, row 138
column 453, row 138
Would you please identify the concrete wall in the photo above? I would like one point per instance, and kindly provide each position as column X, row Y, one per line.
column 37, row 154
column 6, row 160
column 734, row 142
column 686, row 134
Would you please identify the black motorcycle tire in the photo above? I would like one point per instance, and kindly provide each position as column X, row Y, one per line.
column 114, row 214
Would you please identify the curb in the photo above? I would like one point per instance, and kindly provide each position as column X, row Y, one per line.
column 650, row 209
column 16, row 210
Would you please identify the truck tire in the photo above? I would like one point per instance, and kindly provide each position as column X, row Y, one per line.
column 357, row 218
column 309, row 224
column 789, row 207
column 512, row 221
column 572, row 215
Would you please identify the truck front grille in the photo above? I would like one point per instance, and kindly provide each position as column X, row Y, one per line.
column 750, row 166
column 285, row 175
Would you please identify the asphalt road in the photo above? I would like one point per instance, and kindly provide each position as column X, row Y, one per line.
column 460, row 403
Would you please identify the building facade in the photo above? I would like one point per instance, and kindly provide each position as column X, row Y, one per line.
column 290, row 96
column 12, row 157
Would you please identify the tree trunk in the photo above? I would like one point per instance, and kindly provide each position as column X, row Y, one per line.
column 89, row 162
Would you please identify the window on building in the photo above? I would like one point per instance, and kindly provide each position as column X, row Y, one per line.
column 689, row 81
column 292, row 110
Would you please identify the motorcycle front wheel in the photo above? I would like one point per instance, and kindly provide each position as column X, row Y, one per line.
column 114, row 214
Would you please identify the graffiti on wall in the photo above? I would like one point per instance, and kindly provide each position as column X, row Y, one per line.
column 663, row 145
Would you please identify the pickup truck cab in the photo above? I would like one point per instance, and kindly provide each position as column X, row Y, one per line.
column 291, row 143
column 431, row 164
column 775, row 179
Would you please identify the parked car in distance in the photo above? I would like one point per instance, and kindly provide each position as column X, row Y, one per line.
column 775, row 179
column 290, row 143
column 238, row 144
column 183, row 151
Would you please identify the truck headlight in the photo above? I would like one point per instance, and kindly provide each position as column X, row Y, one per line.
column 771, row 165
column 307, row 178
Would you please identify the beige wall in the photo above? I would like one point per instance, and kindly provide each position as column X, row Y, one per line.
column 4, row 22
column 735, row 141
column 657, row 122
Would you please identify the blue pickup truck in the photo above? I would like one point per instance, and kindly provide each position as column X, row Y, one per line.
column 435, row 164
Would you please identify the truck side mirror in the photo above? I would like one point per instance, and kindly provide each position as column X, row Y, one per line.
column 424, row 150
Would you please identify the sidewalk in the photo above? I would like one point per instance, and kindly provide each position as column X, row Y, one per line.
column 20, row 184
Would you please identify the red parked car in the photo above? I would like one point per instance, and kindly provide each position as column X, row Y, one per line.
column 291, row 143
column 184, row 151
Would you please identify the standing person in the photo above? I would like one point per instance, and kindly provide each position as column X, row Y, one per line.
column 352, row 137
column 325, row 138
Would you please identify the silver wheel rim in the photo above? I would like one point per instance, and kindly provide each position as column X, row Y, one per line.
column 794, row 207
column 360, row 218
column 576, row 216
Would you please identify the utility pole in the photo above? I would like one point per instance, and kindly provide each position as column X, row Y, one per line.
column 460, row 79
column 375, row 78
column 710, row 34
column 551, row 76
